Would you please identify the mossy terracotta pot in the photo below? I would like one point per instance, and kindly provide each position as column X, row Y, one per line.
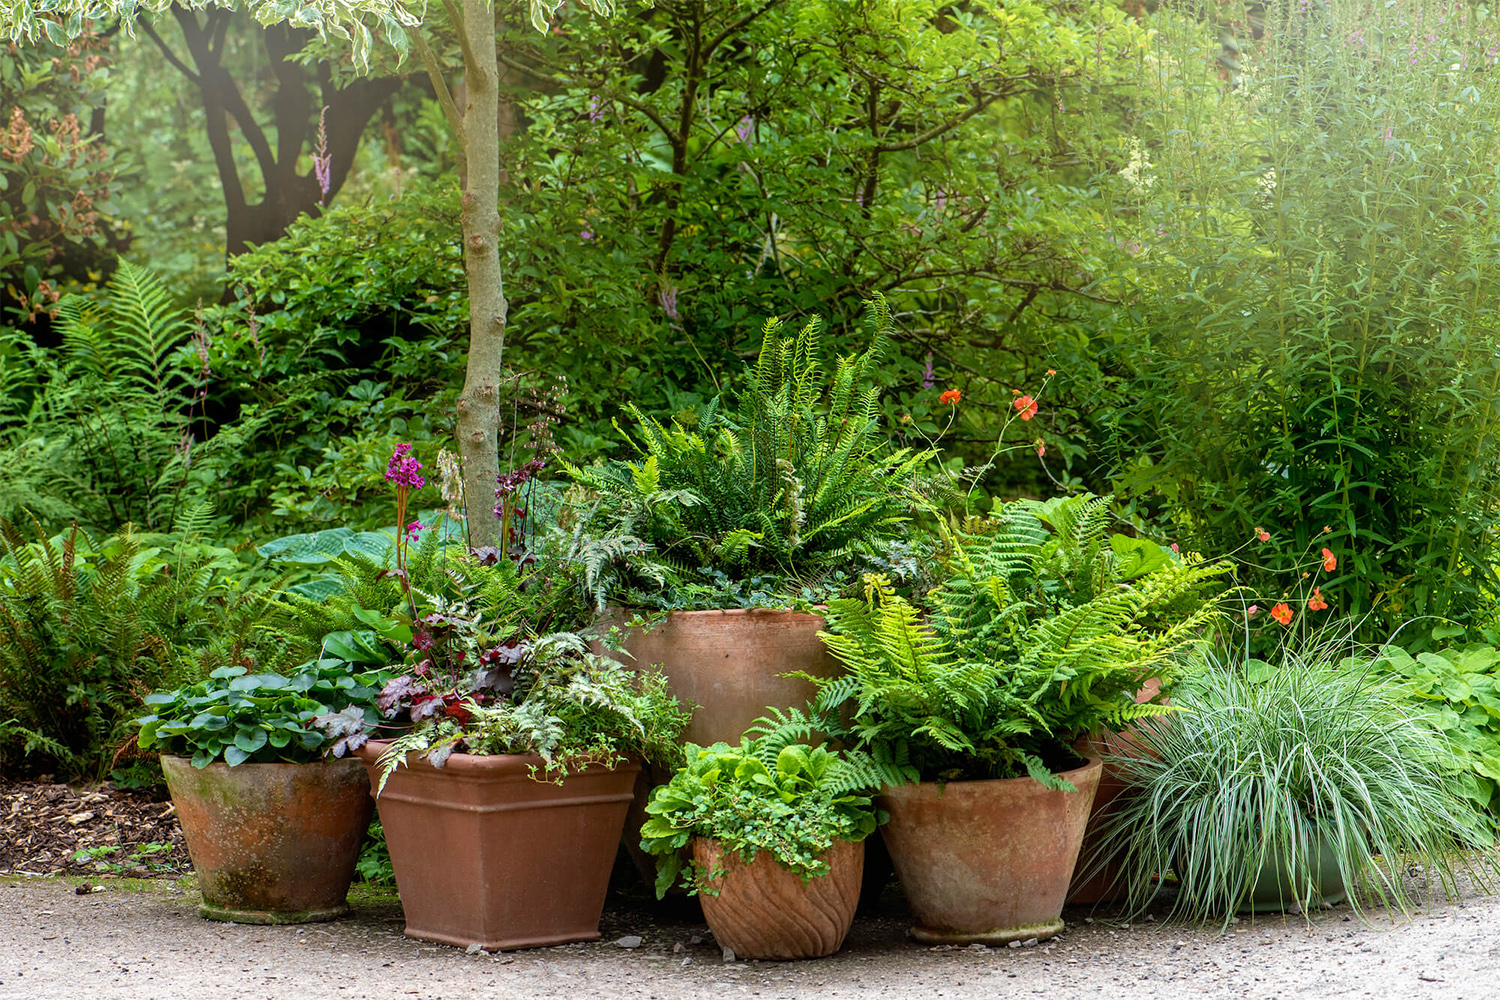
column 764, row 911
column 987, row 861
column 485, row 855
column 272, row 843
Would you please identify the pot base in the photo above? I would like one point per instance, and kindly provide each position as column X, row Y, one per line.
column 509, row 943
column 1003, row 935
column 271, row 916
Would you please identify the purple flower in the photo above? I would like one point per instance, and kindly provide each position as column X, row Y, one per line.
column 413, row 530
column 596, row 112
column 745, row 129
column 403, row 470
column 929, row 377
column 586, row 235
column 322, row 159
column 667, row 296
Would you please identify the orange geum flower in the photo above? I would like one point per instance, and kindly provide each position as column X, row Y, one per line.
column 1026, row 406
column 1316, row 602
column 1282, row 613
column 950, row 396
column 1262, row 533
column 1330, row 561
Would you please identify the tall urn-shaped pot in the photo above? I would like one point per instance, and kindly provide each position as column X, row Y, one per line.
column 987, row 861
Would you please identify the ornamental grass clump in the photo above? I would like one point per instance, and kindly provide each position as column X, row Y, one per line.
column 1284, row 774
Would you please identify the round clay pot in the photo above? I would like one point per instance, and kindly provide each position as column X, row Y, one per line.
column 987, row 861
column 727, row 662
column 485, row 855
column 272, row 843
column 764, row 911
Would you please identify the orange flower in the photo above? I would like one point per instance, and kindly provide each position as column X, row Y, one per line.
column 1262, row 533
column 1330, row 561
column 951, row 396
column 1026, row 406
column 1041, row 448
column 1282, row 613
column 1316, row 602
column 1051, row 372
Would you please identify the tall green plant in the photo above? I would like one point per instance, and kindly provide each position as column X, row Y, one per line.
column 1307, row 247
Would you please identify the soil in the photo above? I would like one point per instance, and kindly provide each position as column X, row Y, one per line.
column 92, row 936
column 43, row 826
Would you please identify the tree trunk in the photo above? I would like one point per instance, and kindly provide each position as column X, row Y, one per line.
column 479, row 405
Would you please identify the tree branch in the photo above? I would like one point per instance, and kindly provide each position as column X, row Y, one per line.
column 981, row 101
column 734, row 26
column 440, row 87
column 166, row 51
column 456, row 18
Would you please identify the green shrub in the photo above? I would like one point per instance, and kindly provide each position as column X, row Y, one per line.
column 1306, row 254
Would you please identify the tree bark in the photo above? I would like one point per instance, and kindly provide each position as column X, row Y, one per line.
column 479, row 404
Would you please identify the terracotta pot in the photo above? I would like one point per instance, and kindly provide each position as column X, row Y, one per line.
column 727, row 662
column 485, row 855
column 272, row 843
column 765, row 911
column 1106, row 884
column 987, row 861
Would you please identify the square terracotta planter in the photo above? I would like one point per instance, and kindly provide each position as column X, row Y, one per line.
column 485, row 855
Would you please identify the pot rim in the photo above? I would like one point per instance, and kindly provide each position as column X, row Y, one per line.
column 1092, row 764
column 471, row 763
column 260, row 764
column 762, row 613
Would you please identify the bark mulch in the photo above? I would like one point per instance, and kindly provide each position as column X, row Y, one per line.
column 43, row 826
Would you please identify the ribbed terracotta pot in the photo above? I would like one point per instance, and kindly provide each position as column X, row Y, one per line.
column 1094, row 883
column 485, row 855
column 987, row 861
column 272, row 843
column 762, row 910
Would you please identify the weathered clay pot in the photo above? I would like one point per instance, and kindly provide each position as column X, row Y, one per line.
column 1094, row 883
column 727, row 662
column 764, row 911
column 272, row 843
column 485, row 855
column 987, row 861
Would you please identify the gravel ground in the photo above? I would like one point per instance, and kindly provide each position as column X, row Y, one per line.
column 144, row 940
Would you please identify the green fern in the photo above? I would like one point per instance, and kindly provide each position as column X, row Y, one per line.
column 794, row 483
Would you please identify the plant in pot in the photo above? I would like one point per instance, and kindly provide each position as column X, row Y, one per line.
column 982, row 699
column 274, row 829
column 1290, row 786
column 776, row 834
column 731, row 517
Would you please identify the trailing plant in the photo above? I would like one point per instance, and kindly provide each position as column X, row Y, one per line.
column 87, row 629
column 794, row 482
column 795, row 805
column 1041, row 631
column 236, row 716
column 1303, row 762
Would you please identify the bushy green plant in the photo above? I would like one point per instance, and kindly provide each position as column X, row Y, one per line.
column 795, row 483
column 1039, row 632
column 1306, row 759
column 87, row 630
column 566, row 705
column 793, row 801
column 1304, row 251
column 1459, row 688
column 236, row 716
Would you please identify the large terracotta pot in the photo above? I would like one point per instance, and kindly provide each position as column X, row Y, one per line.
column 762, row 910
column 485, row 855
column 272, row 843
column 727, row 662
column 987, row 861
